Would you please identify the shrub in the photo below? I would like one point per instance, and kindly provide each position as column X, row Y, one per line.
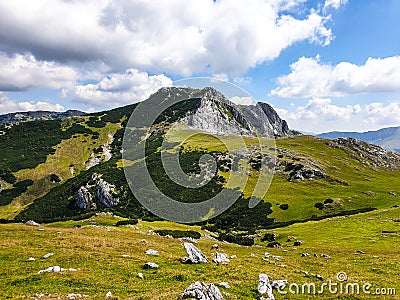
column 127, row 222
column 179, row 233
column 239, row 239
column 268, row 237
column 319, row 205
column 284, row 206
column 328, row 201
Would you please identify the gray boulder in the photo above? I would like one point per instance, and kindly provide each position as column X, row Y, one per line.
column 32, row 223
column 195, row 256
column 221, row 258
column 105, row 191
column 84, row 198
column 201, row 291
column 265, row 287
column 150, row 265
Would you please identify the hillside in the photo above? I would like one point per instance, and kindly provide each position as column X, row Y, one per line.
column 314, row 177
column 334, row 197
column 388, row 138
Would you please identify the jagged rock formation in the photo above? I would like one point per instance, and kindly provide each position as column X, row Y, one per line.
column 201, row 291
column 104, row 193
column 17, row 117
column 367, row 154
column 221, row 258
column 84, row 198
column 217, row 115
column 303, row 172
column 195, row 256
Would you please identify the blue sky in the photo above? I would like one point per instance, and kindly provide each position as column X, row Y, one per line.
column 324, row 64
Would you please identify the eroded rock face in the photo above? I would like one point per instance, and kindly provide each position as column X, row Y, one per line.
column 104, row 193
column 195, row 256
column 201, row 291
column 217, row 115
column 306, row 173
column 84, row 198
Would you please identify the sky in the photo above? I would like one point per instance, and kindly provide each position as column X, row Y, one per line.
column 324, row 65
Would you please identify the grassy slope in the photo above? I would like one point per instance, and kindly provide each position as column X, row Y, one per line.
column 74, row 151
column 302, row 196
column 97, row 252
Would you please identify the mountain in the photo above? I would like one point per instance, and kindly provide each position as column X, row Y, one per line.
column 72, row 168
column 12, row 118
column 388, row 138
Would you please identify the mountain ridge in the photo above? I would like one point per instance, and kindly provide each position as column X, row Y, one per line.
column 388, row 138
column 12, row 118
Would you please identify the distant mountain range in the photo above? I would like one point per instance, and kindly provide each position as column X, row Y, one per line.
column 388, row 138
column 16, row 117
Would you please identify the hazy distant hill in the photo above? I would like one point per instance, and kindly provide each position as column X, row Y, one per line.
column 16, row 117
column 388, row 138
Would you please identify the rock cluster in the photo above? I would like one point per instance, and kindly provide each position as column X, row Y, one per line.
column 102, row 192
column 201, row 291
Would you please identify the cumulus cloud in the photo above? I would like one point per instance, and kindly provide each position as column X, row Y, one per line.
column 334, row 4
column 311, row 78
column 20, row 72
column 118, row 89
column 321, row 115
column 178, row 36
column 7, row 105
column 243, row 100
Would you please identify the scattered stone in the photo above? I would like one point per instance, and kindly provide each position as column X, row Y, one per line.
column 31, row 259
column 325, row 255
column 319, row 277
column 195, row 256
column 32, row 223
column 125, row 255
column 140, row 275
column 233, row 256
column 109, row 295
column 39, row 295
column 150, row 265
column 252, row 255
column 215, row 246
column 224, row 285
column 144, row 241
column 200, row 291
column 221, row 258
column 360, row 252
column 298, row 243
column 392, row 193
column 48, row 255
column 55, row 269
column 189, row 239
column 305, row 254
column 152, row 252
column 369, row 193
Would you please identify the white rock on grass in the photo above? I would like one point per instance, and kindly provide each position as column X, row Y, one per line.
column 150, row 265
column 195, row 256
column 152, row 252
column 32, row 223
column 140, row 275
column 221, row 258
column 201, row 291
column 109, row 295
column 224, row 285
column 31, row 259
column 125, row 255
column 48, row 255
column 56, row 269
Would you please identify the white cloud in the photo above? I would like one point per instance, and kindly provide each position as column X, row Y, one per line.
column 7, row 105
column 118, row 89
column 243, row 100
column 334, row 4
column 177, row 36
column 321, row 115
column 20, row 72
column 311, row 78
